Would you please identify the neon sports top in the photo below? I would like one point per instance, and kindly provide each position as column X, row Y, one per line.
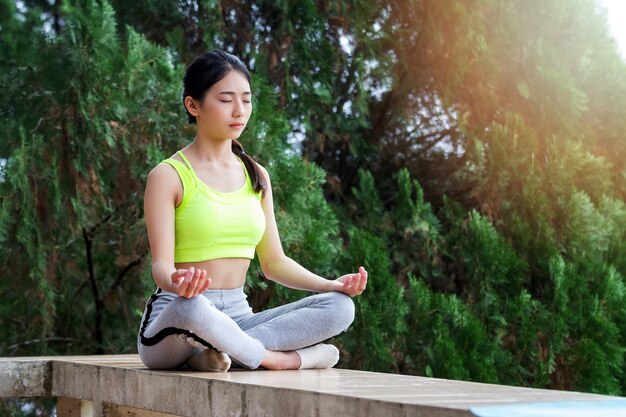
column 211, row 224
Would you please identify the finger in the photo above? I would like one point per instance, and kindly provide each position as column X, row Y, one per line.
column 363, row 273
column 189, row 275
column 181, row 289
column 204, row 287
column 201, row 282
column 349, row 281
column 196, row 276
column 361, row 281
column 178, row 276
column 193, row 285
column 208, row 283
column 205, row 281
column 202, row 278
column 361, row 285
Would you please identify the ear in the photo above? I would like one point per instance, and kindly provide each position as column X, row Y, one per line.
column 192, row 106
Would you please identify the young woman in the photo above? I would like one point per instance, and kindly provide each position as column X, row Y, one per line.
column 208, row 208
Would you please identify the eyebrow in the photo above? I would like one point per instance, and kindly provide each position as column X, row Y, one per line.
column 233, row 93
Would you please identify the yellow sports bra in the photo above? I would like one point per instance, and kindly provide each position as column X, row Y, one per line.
column 211, row 224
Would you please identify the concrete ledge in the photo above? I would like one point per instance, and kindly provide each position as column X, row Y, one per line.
column 121, row 382
column 25, row 378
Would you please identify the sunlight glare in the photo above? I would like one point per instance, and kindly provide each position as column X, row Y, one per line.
column 616, row 11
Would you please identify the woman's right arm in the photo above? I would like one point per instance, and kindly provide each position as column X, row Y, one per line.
column 162, row 188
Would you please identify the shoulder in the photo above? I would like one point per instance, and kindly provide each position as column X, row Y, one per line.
column 163, row 174
column 176, row 157
column 166, row 169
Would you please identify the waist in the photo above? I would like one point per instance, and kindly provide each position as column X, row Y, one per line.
column 225, row 273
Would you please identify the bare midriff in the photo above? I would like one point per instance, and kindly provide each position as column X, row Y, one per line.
column 225, row 273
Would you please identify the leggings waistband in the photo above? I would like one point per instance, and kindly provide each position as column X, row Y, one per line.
column 227, row 294
column 223, row 293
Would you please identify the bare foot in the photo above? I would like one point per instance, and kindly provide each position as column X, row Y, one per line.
column 280, row 360
column 209, row 360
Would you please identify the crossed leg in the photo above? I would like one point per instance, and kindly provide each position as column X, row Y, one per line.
column 187, row 329
column 289, row 332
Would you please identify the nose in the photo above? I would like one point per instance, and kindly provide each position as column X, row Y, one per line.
column 238, row 111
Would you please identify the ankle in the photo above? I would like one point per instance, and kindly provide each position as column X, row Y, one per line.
column 280, row 360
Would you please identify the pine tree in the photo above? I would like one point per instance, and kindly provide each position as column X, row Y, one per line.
column 87, row 115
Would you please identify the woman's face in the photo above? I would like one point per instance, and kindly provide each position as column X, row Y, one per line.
column 226, row 108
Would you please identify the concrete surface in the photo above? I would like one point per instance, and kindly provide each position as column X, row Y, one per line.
column 119, row 385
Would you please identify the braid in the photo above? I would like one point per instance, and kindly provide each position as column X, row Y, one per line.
column 258, row 182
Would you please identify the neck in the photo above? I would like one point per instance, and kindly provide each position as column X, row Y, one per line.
column 212, row 151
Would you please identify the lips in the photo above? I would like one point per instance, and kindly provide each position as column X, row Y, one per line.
column 236, row 124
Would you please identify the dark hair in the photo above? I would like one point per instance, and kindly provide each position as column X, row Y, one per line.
column 201, row 74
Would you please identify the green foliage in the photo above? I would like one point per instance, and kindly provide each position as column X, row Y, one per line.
column 374, row 338
column 495, row 321
column 31, row 407
column 453, row 343
column 587, row 326
column 71, row 223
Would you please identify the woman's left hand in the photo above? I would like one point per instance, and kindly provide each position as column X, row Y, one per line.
column 353, row 284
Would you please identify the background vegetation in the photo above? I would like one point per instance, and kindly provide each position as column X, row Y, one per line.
column 470, row 153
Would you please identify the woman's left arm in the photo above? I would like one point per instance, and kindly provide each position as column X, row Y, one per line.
column 280, row 268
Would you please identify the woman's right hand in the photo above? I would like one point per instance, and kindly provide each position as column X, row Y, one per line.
column 190, row 282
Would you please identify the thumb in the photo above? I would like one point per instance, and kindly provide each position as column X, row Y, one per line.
column 179, row 276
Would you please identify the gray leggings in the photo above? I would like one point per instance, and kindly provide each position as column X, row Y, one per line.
column 173, row 328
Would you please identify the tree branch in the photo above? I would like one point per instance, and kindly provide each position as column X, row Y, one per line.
column 88, row 236
column 123, row 272
column 14, row 348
